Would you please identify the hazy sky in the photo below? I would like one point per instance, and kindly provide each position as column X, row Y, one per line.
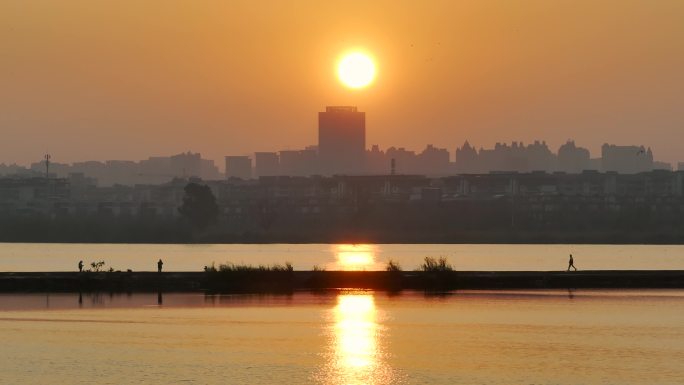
column 128, row 79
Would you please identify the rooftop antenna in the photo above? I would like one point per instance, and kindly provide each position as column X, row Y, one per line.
column 47, row 165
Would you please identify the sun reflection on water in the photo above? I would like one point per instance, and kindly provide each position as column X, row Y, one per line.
column 356, row 356
column 355, row 329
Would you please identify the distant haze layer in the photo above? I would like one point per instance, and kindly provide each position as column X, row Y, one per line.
column 129, row 79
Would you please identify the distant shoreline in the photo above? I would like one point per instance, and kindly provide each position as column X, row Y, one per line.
column 482, row 222
column 289, row 281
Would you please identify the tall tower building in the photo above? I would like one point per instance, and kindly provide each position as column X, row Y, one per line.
column 341, row 140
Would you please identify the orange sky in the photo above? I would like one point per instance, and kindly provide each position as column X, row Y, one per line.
column 128, row 79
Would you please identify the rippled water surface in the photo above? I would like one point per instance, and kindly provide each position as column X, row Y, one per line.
column 349, row 337
column 143, row 257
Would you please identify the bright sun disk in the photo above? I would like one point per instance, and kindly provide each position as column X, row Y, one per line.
column 356, row 70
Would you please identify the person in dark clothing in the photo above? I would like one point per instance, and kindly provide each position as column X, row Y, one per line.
column 80, row 266
column 159, row 265
column 571, row 263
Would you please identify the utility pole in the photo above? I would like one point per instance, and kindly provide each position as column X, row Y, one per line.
column 48, row 193
column 47, row 165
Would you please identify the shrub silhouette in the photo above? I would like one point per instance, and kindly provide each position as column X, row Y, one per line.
column 97, row 266
column 436, row 265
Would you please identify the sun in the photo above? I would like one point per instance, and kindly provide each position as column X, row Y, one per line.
column 356, row 70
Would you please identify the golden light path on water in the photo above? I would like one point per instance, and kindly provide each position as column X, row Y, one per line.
column 355, row 329
column 357, row 356
column 355, row 257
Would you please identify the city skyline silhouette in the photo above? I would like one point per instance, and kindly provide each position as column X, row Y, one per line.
column 342, row 149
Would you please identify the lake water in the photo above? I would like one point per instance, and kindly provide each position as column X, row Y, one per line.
column 143, row 257
column 348, row 337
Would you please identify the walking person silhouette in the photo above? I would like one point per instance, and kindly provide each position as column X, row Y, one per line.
column 571, row 263
column 80, row 266
column 159, row 265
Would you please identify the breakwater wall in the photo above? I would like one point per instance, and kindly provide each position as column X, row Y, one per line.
column 282, row 281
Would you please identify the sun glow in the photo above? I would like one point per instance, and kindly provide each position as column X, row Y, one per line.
column 356, row 70
column 355, row 257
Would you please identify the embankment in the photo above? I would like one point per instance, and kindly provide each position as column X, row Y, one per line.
column 283, row 281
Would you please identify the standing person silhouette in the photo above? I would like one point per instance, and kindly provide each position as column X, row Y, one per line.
column 159, row 265
column 571, row 263
column 80, row 266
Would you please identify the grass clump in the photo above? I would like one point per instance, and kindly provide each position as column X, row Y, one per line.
column 432, row 264
column 241, row 268
column 285, row 267
column 393, row 265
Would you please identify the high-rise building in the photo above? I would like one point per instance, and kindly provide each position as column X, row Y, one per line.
column 291, row 163
column 626, row 159
column 573, row 159
column 466, row 159
column 238, row 167
column 341, row 140
column 433, row 161
column 266, row 164
column 298, row 162
column 186, row 164
column 662, row 166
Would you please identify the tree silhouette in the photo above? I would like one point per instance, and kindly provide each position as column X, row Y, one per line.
column 199, row 205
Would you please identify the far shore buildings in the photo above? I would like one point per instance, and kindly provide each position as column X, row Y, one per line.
column 570, row 158
column 341, row 150
column 539, row 193
column 154, row 170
